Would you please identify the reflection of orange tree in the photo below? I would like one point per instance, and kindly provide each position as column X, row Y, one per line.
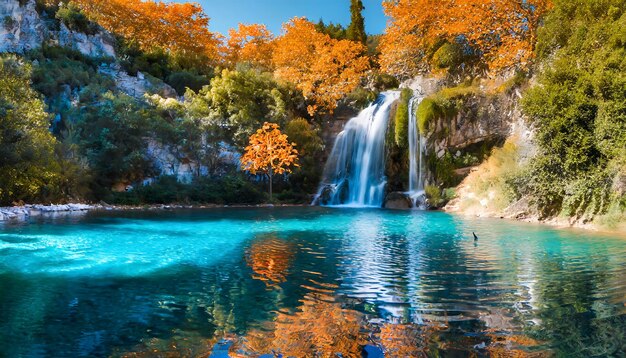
column 320, row 328
column 406, row 340
column 514, row 346
column 270, row 258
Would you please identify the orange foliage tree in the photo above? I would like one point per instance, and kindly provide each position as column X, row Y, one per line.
column 269, row 153
column 324, row 69
column 501, row 32
column 177, row 28
column 250, row 43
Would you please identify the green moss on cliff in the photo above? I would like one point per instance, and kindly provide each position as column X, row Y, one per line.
column 443, row 105
column 402, row 119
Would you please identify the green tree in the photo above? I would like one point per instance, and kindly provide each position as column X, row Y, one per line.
column 579, row 111
column 356, row 30
column 27, row 166
column 335, row 31
column 239, row 101
column 306, row 178
column 112, row 137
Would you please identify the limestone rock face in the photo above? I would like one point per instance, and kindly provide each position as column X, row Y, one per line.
column 23, row 29
column 483, row 119
column 137, row 86
column 99, row 45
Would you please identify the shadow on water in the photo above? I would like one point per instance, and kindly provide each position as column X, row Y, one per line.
column 307, row 282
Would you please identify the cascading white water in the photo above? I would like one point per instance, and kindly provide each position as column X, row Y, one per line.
column 417, row 146
column 355, row 171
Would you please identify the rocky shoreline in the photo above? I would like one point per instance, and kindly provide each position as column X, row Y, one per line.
column 27, row 211
column 24, row 212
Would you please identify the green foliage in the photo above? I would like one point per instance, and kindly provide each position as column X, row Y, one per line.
column 448, row 55
column 356, row 30
column 174, row 69
column 310, row 148
column 335, row 31
column 579, row 109
column 181, row 80
column 426, row 113
column 227, row 190
column 438, row 198
column 402, row 119
column 444, row 104
column 59, row 67
column 111, row 138
column 443, row 169
column 27, row 165
column 75, row 20
column 360, row 98
column 239, row 101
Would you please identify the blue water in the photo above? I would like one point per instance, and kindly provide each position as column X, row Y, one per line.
column 307, row 282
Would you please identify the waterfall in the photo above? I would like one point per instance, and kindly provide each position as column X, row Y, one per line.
column 355, row 171
column 417, row 146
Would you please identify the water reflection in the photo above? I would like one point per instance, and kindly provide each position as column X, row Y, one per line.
column 270, row 258
column 310, row 284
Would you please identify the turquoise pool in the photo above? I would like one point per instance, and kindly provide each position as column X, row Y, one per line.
column 307, row 282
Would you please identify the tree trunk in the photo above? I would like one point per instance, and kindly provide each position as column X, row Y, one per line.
column 271, row 175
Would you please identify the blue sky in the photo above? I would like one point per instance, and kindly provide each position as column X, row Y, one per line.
column 226, row 14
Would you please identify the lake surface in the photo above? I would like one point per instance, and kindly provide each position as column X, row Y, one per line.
column 307, row 282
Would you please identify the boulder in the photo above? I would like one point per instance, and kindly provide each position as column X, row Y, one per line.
column 398, row 201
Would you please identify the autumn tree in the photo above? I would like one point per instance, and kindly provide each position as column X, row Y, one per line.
column 269, row 153
column 250, row 44
column 502, row 33
column 324, row 69
column 356, row 30
column 179, row 28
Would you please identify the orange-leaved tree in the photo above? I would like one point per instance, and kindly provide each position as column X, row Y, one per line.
column 269, row 153
column 177, row 28
column 324, row 69
column 251, row 44
column 502, row 33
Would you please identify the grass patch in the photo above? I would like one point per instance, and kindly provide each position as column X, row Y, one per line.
column 490, row 186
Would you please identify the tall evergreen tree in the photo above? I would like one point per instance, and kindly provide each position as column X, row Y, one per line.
column 356, row 30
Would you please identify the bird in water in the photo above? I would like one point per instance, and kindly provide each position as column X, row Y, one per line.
column 475, row 237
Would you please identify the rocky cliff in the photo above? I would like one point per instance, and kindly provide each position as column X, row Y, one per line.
column 461, row 124
column 24, row 28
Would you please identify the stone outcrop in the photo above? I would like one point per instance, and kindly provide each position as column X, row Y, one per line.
column 26, row 211
column 482, row 119
column 22, row 29
column 136, row 86
column 398, row 201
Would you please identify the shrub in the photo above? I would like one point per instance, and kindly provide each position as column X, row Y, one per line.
column 448, row 55
column 75, row 20
column 181, row 80
column 433, row 194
